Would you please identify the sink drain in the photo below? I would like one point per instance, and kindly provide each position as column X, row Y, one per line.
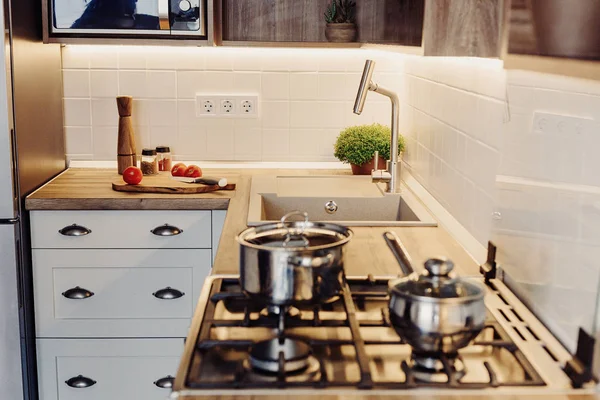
column 331, row 207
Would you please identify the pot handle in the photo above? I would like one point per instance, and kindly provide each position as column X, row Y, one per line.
column 312, row 262
column 295, row 235
column 394, row 243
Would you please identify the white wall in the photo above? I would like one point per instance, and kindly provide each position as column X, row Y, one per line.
column 455, row 118
column 306, row 98
column 473, row 144
column 549, row 198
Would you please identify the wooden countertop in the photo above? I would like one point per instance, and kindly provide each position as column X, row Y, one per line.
column 367, row 253
column 90, row 189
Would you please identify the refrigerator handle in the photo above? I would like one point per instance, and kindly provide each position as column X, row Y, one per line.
column 163, row 14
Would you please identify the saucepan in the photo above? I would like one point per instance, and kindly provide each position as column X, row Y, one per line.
column 293, row 262
column 435, row 311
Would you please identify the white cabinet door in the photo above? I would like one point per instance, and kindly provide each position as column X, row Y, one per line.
column 121, row 229
column 115, row 369
column 125, row 285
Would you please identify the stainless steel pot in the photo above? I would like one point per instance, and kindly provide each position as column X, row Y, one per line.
column 292, row 262
column 434, row 311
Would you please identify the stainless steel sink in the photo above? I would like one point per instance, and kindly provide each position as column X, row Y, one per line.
column 348, row 200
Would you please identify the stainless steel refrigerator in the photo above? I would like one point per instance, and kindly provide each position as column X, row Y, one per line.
column 31, row 152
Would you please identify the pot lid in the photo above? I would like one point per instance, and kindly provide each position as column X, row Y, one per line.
column 295, row 235
column 437, row 282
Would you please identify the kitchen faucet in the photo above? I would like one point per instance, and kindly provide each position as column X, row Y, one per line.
column 391, row 176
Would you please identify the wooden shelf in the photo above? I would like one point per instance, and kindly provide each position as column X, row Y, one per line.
column 235, row 43
column 300, row 23
column 553, row 65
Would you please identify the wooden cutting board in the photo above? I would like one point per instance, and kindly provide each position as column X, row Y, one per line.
column 163, row 183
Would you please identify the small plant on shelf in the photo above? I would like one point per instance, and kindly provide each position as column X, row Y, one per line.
column 356, row 145
column 340, row 17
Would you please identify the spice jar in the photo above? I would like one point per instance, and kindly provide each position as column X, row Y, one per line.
column 163, row 153
column 149, row 164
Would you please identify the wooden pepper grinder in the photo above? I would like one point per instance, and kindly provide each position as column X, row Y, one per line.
column 126, row 152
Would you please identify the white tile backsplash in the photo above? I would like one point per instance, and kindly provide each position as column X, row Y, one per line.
column 220, row 143
column 275, row 114
column 77, row 112
column 76, row 83
column 103, row 112
column 275, row 86
column 104, row 83
column 304, row 86
column 162, row 113
column 133, row 83
column 78, row 140
column 299, row 89
column 161, row 84
column 457, row 120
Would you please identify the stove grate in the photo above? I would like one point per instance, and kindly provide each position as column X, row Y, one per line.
column 354, row 297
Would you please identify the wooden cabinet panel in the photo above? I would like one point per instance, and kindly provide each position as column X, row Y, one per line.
column 378, row 21
column 463, row 28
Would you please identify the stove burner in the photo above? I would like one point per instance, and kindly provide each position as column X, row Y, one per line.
column 267, row 356
column 310, row 374
column 275, row 311
column 437, row 368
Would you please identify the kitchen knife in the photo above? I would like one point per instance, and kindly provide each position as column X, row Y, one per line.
column 222, row 182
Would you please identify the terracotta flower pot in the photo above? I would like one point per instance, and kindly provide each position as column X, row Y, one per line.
column 367, row 167
column 341, row 33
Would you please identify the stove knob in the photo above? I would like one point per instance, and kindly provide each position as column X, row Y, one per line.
column 185, row 5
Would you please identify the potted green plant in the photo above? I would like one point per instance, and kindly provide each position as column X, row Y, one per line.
column 356, row 145
column 340, row 19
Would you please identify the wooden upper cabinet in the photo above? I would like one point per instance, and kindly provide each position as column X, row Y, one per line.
column 472, row 28
column 554, row 36
column 397, row 22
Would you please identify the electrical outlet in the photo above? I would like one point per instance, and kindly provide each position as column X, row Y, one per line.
column 205, row 106
column 555, row 124
column 227, row 107
column 247, row 107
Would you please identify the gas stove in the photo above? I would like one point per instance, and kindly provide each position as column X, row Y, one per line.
column 347, row 344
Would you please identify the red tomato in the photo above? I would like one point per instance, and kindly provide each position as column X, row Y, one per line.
column 132, row 175
column 178, row 169
column 193, row 171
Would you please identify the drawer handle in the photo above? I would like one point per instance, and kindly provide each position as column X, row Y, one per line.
column 77, row 293
column 75, row 230
column 168, row 293
column 165, row 383
column 80, row 382
column 167, row 230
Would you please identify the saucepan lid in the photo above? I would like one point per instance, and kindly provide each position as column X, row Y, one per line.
column 438, row 282
column 295, row 235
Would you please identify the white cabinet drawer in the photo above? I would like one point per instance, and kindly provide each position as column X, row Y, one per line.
column 122, row 292
column 117, row 293
column 121, row 229
column 120, row 369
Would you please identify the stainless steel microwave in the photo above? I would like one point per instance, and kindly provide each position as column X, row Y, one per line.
column 128, row 18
